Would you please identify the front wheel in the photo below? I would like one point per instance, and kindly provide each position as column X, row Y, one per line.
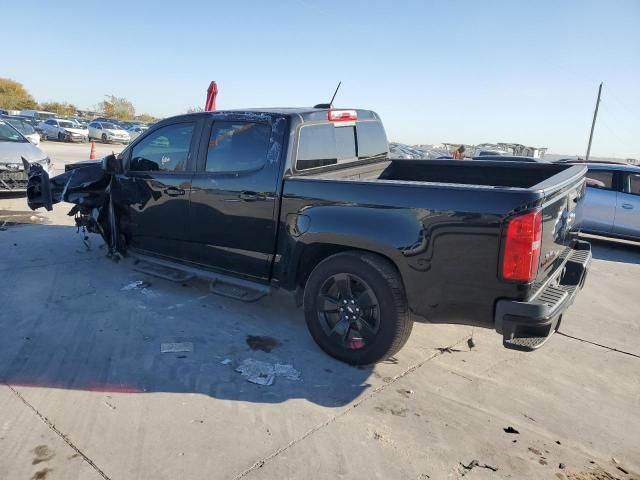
column 356, row 309
column 104, row 138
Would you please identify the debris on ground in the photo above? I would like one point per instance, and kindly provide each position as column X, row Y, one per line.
column 562, row 466
column 287, row 371
column 256, row 371
column 623, row 470
column 176, row 347
column 474, row 463
column 226, row 361
column 264, row 343
column 471, row 343
column 511, row 430
column 264, row 373
column 448, row 350
column 139, row 285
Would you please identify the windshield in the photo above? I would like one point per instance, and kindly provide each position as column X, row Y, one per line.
column 20, row 125
column 65, row 124
column 10, row 134
column 111, row 126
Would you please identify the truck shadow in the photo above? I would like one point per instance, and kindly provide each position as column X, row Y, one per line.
column 613, row 250
column 74, row 319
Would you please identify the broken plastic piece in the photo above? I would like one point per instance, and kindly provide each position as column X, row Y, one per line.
column 264, row 373
column 176, row 347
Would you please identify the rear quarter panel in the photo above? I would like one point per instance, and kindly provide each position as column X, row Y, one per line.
column 444, row 240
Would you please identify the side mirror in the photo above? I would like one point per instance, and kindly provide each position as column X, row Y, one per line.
column 112, row 164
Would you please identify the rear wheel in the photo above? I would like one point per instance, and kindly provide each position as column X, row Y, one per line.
column 104, row 138
column 356, row 309
column 60, row 137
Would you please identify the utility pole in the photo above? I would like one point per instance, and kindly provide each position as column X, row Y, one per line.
column 593, row 124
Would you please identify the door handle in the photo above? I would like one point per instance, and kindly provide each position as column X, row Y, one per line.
column 628, row 206
column 173, row 191
column 251, row 196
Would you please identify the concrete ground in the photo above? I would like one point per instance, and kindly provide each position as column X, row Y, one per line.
column 85, row 392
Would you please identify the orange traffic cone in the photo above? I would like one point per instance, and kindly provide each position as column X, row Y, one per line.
column 92, row 154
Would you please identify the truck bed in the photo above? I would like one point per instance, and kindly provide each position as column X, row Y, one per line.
column 441, row 222
column 479, row 173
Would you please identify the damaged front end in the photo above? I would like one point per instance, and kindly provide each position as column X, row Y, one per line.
column 91, row 186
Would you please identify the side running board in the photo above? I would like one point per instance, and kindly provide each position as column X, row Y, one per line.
column 224, row 285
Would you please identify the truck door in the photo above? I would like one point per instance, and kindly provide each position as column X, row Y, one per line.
column 627, row 220
column 232, row 223
column 156, row 189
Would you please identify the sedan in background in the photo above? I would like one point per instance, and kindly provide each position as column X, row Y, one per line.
column 136, row 130
column 612, row 203
column 64, row 130
column 23, row 127
column 108, row 133
column 13, row 148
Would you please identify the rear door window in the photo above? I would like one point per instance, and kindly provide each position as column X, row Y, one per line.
column 600, row 179
column 165, row 150
column 236, row 147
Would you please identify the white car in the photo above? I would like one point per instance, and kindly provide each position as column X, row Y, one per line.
column 14, row 147
column 108, row 132
column 63, row 130
column 136, row 130
column 23, row 127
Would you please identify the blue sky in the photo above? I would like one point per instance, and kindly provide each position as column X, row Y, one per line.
column 457, row 71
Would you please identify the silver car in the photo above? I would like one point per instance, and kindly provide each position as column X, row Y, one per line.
column 13, row 148
column 612, row 203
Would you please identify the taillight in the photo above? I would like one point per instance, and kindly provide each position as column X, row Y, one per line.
column 342, row 115
column 522, row 247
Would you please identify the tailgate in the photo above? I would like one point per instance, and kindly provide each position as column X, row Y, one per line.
column 559, row 227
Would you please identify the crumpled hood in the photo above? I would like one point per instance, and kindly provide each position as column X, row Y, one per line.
column 12, row 152
column 79, row 131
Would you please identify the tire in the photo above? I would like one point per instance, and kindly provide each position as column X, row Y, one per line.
column 104, row 138
column 60, row 137
column 390, row 317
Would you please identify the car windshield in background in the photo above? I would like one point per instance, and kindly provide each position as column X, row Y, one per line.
column 67, row 124
column 111, row 126
column 10, row 134
column 20, row 125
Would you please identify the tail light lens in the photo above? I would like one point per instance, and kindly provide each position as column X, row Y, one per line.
column 522, row 247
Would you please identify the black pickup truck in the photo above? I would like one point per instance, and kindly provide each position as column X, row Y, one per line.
column 308, row 200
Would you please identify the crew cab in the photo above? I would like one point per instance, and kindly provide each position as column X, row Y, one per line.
column 307, row 200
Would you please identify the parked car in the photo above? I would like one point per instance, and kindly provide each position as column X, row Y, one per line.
column 64, row 130
column 483, row 152
column 108, row 133
column 13, row 148
column 136, row 130
column 509, row 158
column 612, row 203
column 35, row 124
column 307, row 200
column 23, row 127
column 79, row 123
